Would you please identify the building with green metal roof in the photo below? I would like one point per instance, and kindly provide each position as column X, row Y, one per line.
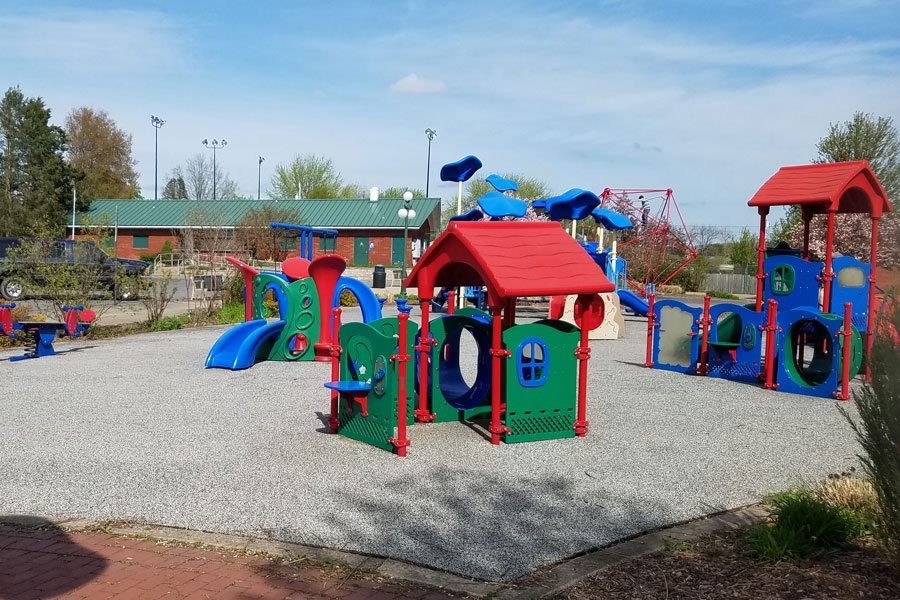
column 369, row 232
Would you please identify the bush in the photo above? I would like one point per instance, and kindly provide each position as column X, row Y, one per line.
column 723, row 295
column 233, row 312
column 169, row 323
column 234, row 288
column 878, row 431
column 803, row 526
column 348, row 298
column 693, row 277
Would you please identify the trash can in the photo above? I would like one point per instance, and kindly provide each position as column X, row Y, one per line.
column 379, row 277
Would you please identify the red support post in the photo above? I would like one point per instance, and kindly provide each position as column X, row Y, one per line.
column 248, row 274
column 771, row 329
column 451, row 302
column 509, row 315
column 423, row 414
column 828, row 274
column 583, row 354
column 870, row 318
column 334, row 417
column 651, row 324
column 844, row 392
column 704, row 323
column 497, row 355
column 760, row 275
column 400, row 442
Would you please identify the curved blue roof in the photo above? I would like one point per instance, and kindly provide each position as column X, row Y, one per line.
column 610, row 219
column 495, row 204
column 502, row 184
column 473, row 214
column 539, row 205
column 460, row 170
column 574, row 204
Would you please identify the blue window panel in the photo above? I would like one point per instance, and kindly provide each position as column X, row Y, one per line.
column 531, row 362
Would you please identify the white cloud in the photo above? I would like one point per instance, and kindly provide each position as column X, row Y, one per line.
column 413, row 84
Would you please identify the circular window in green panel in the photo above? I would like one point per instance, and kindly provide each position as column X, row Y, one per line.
column 305, row 321
column 303, row 287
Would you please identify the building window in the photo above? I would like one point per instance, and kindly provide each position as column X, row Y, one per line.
column 783, row 280
column 531, row 362
column 287, row 243
column 327, row 243
column 110, row 242
column 140, row 242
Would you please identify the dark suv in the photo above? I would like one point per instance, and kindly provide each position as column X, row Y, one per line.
column 18, row 255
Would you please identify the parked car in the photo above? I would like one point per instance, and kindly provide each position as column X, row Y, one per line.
column 18, row 272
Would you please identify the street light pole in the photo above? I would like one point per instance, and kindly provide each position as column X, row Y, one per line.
column 406, row 213
column 215, row 145
column 259, row 178
column 157, row 123
column 430, row 133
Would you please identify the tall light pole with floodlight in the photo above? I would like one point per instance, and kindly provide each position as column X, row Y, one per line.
column 215, row 145
column 406, row 213
column 157, row 123
column 259, row 177
column 430, row 133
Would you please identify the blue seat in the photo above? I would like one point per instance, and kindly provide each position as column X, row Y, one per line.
column 348, row 387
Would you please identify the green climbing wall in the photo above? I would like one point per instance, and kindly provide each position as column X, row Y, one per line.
column 541, row 397
column 301, row 315
column 367, row 348
column 442, row 329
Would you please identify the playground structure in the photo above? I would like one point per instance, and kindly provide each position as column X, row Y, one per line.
column 804, row 333
column 531, row 379
column 305, row 292
column 39, row 335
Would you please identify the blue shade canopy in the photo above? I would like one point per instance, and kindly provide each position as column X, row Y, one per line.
column 460, row 170
column 495, row 204
column 611, row 220
column 501, row 184
column 539, row 205
column 574, row 204
column 473, row 214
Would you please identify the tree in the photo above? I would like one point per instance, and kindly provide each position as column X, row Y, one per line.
column 742, row 249
column 102, row 151
column 255, row 234
column 35, row 182
column 175, row 189
column 397, row 192
column 197, row 177
column 307, row 176
column 864, row 137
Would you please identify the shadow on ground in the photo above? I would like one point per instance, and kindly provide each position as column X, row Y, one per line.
column 39, row 560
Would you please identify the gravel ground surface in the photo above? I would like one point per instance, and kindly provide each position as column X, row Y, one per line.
column 135, row 428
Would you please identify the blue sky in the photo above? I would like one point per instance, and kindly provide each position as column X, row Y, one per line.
column 708, row 99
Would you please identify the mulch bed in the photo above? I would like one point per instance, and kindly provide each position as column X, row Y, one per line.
column 717, row 567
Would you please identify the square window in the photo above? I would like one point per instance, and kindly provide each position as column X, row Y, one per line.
column 140, row 242
column 287, row 243
column 327, row 243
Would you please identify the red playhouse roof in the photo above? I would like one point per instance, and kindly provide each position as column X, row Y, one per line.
column 844, row 187
column 513, row 259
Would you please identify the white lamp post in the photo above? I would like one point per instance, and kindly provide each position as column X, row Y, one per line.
column 406, row 213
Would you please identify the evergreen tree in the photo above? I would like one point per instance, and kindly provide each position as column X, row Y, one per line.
column 175, row 189
column 35, row 181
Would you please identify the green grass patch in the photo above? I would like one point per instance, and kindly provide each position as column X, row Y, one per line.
column 170, row 323
column 233, row 312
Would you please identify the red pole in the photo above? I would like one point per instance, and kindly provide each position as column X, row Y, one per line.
column 497, row 355
column 771, row 328
column 334, row 418
column 400, row 442
column 760, row 275
column 583, row 354
column 451, row 302
column 844, row 392
column 248, row 273
column 705, row 322
column 870, row 318
column 509, row 316
column 651, row 323
column 828, row 275
column 423, row 415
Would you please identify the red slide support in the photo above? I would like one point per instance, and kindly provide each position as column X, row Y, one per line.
column 844, row 392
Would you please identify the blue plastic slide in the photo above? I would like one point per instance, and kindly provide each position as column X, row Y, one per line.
column 371, row 308
column 237, row 347
column 634, row 302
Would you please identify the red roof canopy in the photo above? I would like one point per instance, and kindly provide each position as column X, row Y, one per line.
column 512, row 258
column 844, row 187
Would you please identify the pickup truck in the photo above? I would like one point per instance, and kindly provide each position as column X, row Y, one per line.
column 19, row 255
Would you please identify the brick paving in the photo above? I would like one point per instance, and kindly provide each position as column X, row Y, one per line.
column 50, row 563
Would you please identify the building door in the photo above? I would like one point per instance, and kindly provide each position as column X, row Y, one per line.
column 397, row 250
column 361, row 250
